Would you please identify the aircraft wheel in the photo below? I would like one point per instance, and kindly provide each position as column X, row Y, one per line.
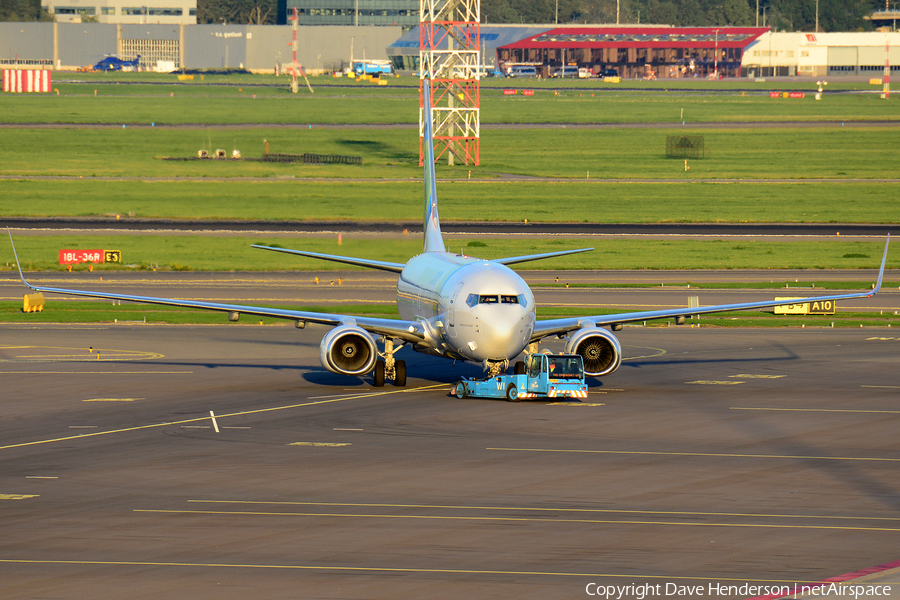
column 378, row 374
column 400, row 370
column 519, row 368
column 512, row 394
column 461, row 390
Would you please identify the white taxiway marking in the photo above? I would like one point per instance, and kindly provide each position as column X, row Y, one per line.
column 39, row 477
column 345, row 429
column 212, row 415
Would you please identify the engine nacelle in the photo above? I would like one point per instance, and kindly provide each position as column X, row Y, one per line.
column 600, row 350
column 348, row 350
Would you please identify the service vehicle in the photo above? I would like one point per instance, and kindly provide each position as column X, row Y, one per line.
column 372, row 67
column 522, row 71
column 546, row 376
column 567, row 71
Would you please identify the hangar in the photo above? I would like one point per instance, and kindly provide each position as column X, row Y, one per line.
column 645, row 51
column 787, row 53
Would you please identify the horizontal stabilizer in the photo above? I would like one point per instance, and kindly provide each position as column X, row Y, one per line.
column 520, row 259
column 359, row 262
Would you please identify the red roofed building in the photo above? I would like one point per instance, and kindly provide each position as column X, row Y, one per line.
column 647, row 52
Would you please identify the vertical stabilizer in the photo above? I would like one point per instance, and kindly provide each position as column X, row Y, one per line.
column 433, row 240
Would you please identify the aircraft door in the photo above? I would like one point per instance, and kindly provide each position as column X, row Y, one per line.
column 451, row 312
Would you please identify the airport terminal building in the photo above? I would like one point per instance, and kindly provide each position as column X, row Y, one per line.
column 645, row 51
column 634, row 52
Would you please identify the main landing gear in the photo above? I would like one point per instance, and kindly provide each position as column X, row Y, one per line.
column 389, row 368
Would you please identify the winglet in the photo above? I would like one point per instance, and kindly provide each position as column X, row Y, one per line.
column 883, row 261
column 18, row 264
column 433, row 240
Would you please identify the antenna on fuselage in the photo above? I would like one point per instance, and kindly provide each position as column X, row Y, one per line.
column 434, row 242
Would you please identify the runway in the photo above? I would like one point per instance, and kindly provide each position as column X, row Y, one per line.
column 712, row 457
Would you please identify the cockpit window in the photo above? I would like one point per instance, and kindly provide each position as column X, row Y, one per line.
column 487, row 299
column 522, row 299
column 472, row 300
column 509, row 299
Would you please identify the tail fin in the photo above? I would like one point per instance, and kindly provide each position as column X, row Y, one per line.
column 433, row 240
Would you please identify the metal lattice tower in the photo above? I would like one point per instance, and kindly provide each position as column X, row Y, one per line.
column 449, row 34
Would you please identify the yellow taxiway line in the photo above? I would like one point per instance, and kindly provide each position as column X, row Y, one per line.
column 710, row 454
column 222, row 416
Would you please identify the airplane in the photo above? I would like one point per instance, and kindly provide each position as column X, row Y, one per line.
column 454, row 306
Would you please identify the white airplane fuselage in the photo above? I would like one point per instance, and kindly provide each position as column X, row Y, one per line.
column 473, row 309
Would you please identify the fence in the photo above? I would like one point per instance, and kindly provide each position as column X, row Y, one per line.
column 685, row 146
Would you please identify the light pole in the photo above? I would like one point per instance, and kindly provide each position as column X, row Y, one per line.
column 817, row 16
column 757, row 13
column 716, row 58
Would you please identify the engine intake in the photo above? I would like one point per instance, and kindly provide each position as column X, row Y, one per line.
column 348, row 350
column 599, row 349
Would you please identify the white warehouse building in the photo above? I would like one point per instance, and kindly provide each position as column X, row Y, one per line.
column 789, row 54
column 161, row 12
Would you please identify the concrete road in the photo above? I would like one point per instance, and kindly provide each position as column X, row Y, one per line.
column 711, row 458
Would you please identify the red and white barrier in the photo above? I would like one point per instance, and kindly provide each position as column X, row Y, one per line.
column 27, row 80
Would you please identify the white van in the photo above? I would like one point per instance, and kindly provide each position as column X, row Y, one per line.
column 567, row 71
column 523, row 71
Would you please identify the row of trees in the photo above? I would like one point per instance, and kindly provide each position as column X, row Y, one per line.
column 241, row 12
column 256, row 12
column 23, row 10
column 784, row 15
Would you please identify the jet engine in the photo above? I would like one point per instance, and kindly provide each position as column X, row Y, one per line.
column 348, row 350
column 600, row 350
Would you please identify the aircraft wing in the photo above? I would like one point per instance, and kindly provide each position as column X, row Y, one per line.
column 549, row 327
column 359, row 262
column 527, row 257
column 410, row 331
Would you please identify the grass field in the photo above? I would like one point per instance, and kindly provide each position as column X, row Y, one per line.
column 798, row 153
column 575, row 202
column 578, row 102
column 151, row 187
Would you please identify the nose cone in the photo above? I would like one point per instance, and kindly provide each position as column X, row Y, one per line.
column 503, row 333
column 504, row 324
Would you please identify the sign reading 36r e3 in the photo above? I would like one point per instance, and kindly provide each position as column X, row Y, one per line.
column 74, row 257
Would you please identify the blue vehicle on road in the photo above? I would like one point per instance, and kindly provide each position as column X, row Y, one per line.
column 546, row 376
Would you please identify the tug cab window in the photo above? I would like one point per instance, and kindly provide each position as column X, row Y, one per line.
column 534, row 365
column 566, row 367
